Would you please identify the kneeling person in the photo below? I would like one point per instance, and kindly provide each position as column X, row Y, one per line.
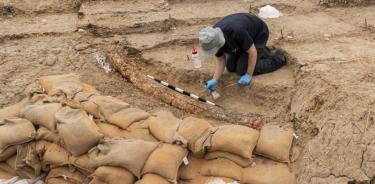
column 239, row 43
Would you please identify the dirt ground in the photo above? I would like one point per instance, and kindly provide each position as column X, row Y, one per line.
column 327, row 91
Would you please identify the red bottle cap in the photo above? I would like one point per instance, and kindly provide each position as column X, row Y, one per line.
column 194, row 51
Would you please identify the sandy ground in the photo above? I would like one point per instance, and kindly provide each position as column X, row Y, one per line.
column 326, row 92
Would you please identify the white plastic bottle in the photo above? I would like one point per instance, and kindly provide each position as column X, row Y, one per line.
column 197, row 63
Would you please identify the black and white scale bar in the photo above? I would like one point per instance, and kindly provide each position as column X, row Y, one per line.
column 182, row 91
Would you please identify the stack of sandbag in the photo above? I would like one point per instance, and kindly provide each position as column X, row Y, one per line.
column 68, row 131
column 43, row 133
column 229, row 155
column 140, row 158
column 14, row 135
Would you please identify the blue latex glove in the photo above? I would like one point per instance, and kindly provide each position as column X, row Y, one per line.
column 245, row 79
column 211, row 85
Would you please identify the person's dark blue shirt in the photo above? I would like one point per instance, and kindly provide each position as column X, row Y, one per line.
column 241, row 31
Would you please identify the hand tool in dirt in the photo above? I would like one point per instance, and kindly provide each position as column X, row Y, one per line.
column 182, row 91
column 214, row 94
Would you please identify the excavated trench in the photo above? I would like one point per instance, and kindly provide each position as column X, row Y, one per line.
column 325, row 92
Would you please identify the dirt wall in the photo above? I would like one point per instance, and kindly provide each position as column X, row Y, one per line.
column 333, row 3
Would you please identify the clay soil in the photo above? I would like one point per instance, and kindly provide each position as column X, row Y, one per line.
column 326, row 92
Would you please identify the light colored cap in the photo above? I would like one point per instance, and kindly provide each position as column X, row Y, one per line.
column 211, row 40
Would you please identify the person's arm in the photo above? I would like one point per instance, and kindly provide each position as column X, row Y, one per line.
column 220, row 66
column 252, row 60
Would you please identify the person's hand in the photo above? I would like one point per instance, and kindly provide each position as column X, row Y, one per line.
column 211, row 85
column 245, row 79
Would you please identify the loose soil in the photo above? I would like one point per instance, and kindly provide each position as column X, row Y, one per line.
column 326, row 92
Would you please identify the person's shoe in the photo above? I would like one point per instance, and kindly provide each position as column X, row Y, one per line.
column 280, row 57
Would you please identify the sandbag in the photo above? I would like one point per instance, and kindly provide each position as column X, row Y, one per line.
column 142, row 134
column 163, row 126
column 200, row 146
column 8, row 152
column 27, row 160
column 143, row 124
column 192, row 128
column 109, row 130
column 82, row 162
column 67, row 85
column 44, row 134
column 165, row 161
column 73, row 177
column 152, row 179
column 126, row 117
column 77, row 130
column 12, row 110
column 6, row 168
column 23, row 172
column 211, row 180
column 15, row 131
column 129, row 154
column 243, row 162
column 236, row 139
column 89, row 106
column 51, row 155
column 111, row 175
column 268, row 172
column 222, row 168
column 42, row 115
column 59, row 180
column 106, row 105
column 275, row 142
column 112, row 131
column 5, row 175
column 192, row 169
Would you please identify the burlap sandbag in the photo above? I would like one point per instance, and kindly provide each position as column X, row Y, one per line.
column 163, row 126
column 89, row 106
column 111, row 175
column 152, row 179
column 68, row 85
column 268, row 172
column 12, row 110
column 109, row 130
column 51, row 155
column 236, row 139
column 129, row 154
column 44, row 134
column 82, row 162
column 106, row 105
column 243, row 162
column 192, row 169
column 275, row 142
column 27, row 159
column 8, row 152
column 5, row 175
column 165, row 161
column 200, row 146
column 192, row 128
column 210, row 180
column 143, row 124
column 56, row 174
column 77, row 130
column 15, row 131
column 142, row 134
column 23, row 172
column 6, row 168
column 112, row 131
column 42, row 115
column 222, row 168
column 126, row 117
column 59, row 180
